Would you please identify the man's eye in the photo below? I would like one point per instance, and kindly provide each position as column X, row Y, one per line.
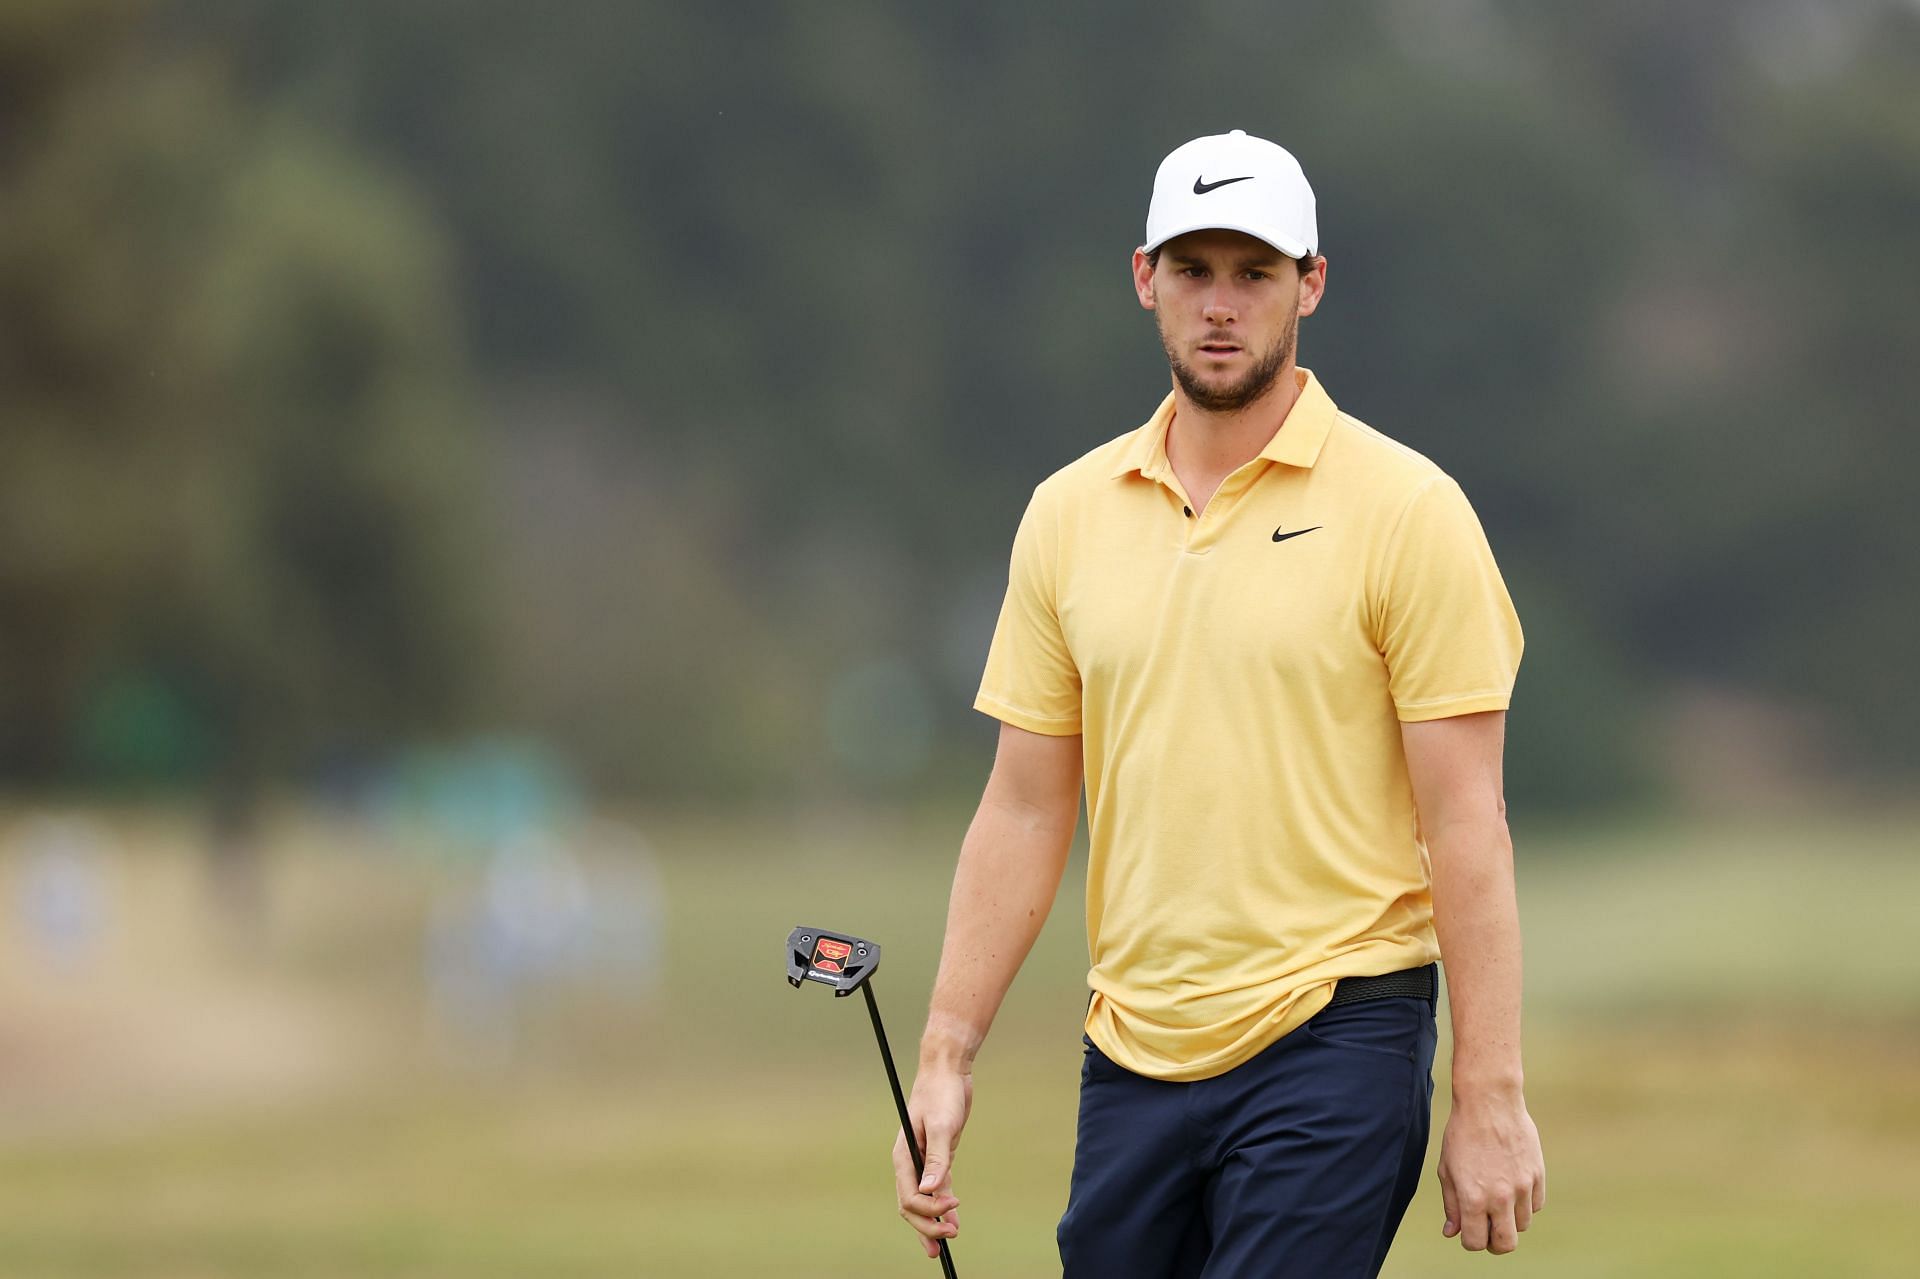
column 1193, row 272
column 1256, row 275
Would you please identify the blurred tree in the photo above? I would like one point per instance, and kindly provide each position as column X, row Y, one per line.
column 1827, row 565
column 852, row 288
column 238, row 468
column 787, row 306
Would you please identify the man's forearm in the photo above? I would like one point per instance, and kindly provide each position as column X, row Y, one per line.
column 1009, row 871
column 1477, row 918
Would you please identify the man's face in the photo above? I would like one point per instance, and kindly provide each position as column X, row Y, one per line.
column 1228, row 307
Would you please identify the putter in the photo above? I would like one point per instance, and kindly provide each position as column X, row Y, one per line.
column 847, row 963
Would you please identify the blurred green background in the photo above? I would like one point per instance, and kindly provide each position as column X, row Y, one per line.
column 502, row 508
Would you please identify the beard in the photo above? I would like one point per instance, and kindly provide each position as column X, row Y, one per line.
column 1256, row 382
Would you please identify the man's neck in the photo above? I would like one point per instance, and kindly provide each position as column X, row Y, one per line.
column 1218, row 443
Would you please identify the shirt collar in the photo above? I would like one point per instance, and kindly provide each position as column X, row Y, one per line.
column 1297, row 442
column 1145, row 450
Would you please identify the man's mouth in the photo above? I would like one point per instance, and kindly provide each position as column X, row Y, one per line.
column 1219, row 348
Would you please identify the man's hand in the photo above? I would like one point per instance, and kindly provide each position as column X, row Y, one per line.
column 1493, row 1177
column 942, row 1098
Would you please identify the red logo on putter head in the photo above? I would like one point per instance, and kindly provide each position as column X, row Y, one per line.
column 826, row 951
column 827, row 966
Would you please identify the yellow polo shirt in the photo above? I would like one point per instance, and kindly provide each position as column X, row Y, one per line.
column 1239, row 678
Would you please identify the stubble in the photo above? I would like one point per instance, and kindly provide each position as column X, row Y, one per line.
column 1234, row 396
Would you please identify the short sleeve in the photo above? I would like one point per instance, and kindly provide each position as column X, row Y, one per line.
column 1031, row 681
column 1443, row 619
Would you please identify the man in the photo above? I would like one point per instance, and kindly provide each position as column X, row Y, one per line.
column 1275, row 646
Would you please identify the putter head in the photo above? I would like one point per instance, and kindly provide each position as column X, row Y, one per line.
column 839, row 960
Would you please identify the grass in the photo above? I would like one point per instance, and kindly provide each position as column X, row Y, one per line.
column 1724, row 1026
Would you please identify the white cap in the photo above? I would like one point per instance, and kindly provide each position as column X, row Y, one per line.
column 1232, row 182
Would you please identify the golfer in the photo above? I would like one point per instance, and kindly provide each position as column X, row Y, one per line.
column 1273, row 645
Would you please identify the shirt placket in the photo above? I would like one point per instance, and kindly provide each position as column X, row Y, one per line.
column 1205, row 528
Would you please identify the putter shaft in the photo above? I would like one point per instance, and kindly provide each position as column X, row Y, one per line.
column 900, row 1104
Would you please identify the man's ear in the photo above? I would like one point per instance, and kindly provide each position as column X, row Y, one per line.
column 1143, row 279
column 1313, row 286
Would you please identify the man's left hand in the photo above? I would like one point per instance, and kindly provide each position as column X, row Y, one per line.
column 1493, row 1177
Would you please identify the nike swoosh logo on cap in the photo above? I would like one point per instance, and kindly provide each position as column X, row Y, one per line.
column 1201, row 188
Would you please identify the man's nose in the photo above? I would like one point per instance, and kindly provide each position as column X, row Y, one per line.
column 1218, row 310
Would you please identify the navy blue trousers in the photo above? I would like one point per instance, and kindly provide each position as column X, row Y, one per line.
column 1299, row 1163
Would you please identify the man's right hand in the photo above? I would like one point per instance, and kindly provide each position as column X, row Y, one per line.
column 942, row 1098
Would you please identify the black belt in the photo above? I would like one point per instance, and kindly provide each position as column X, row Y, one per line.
column 1420, row 983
